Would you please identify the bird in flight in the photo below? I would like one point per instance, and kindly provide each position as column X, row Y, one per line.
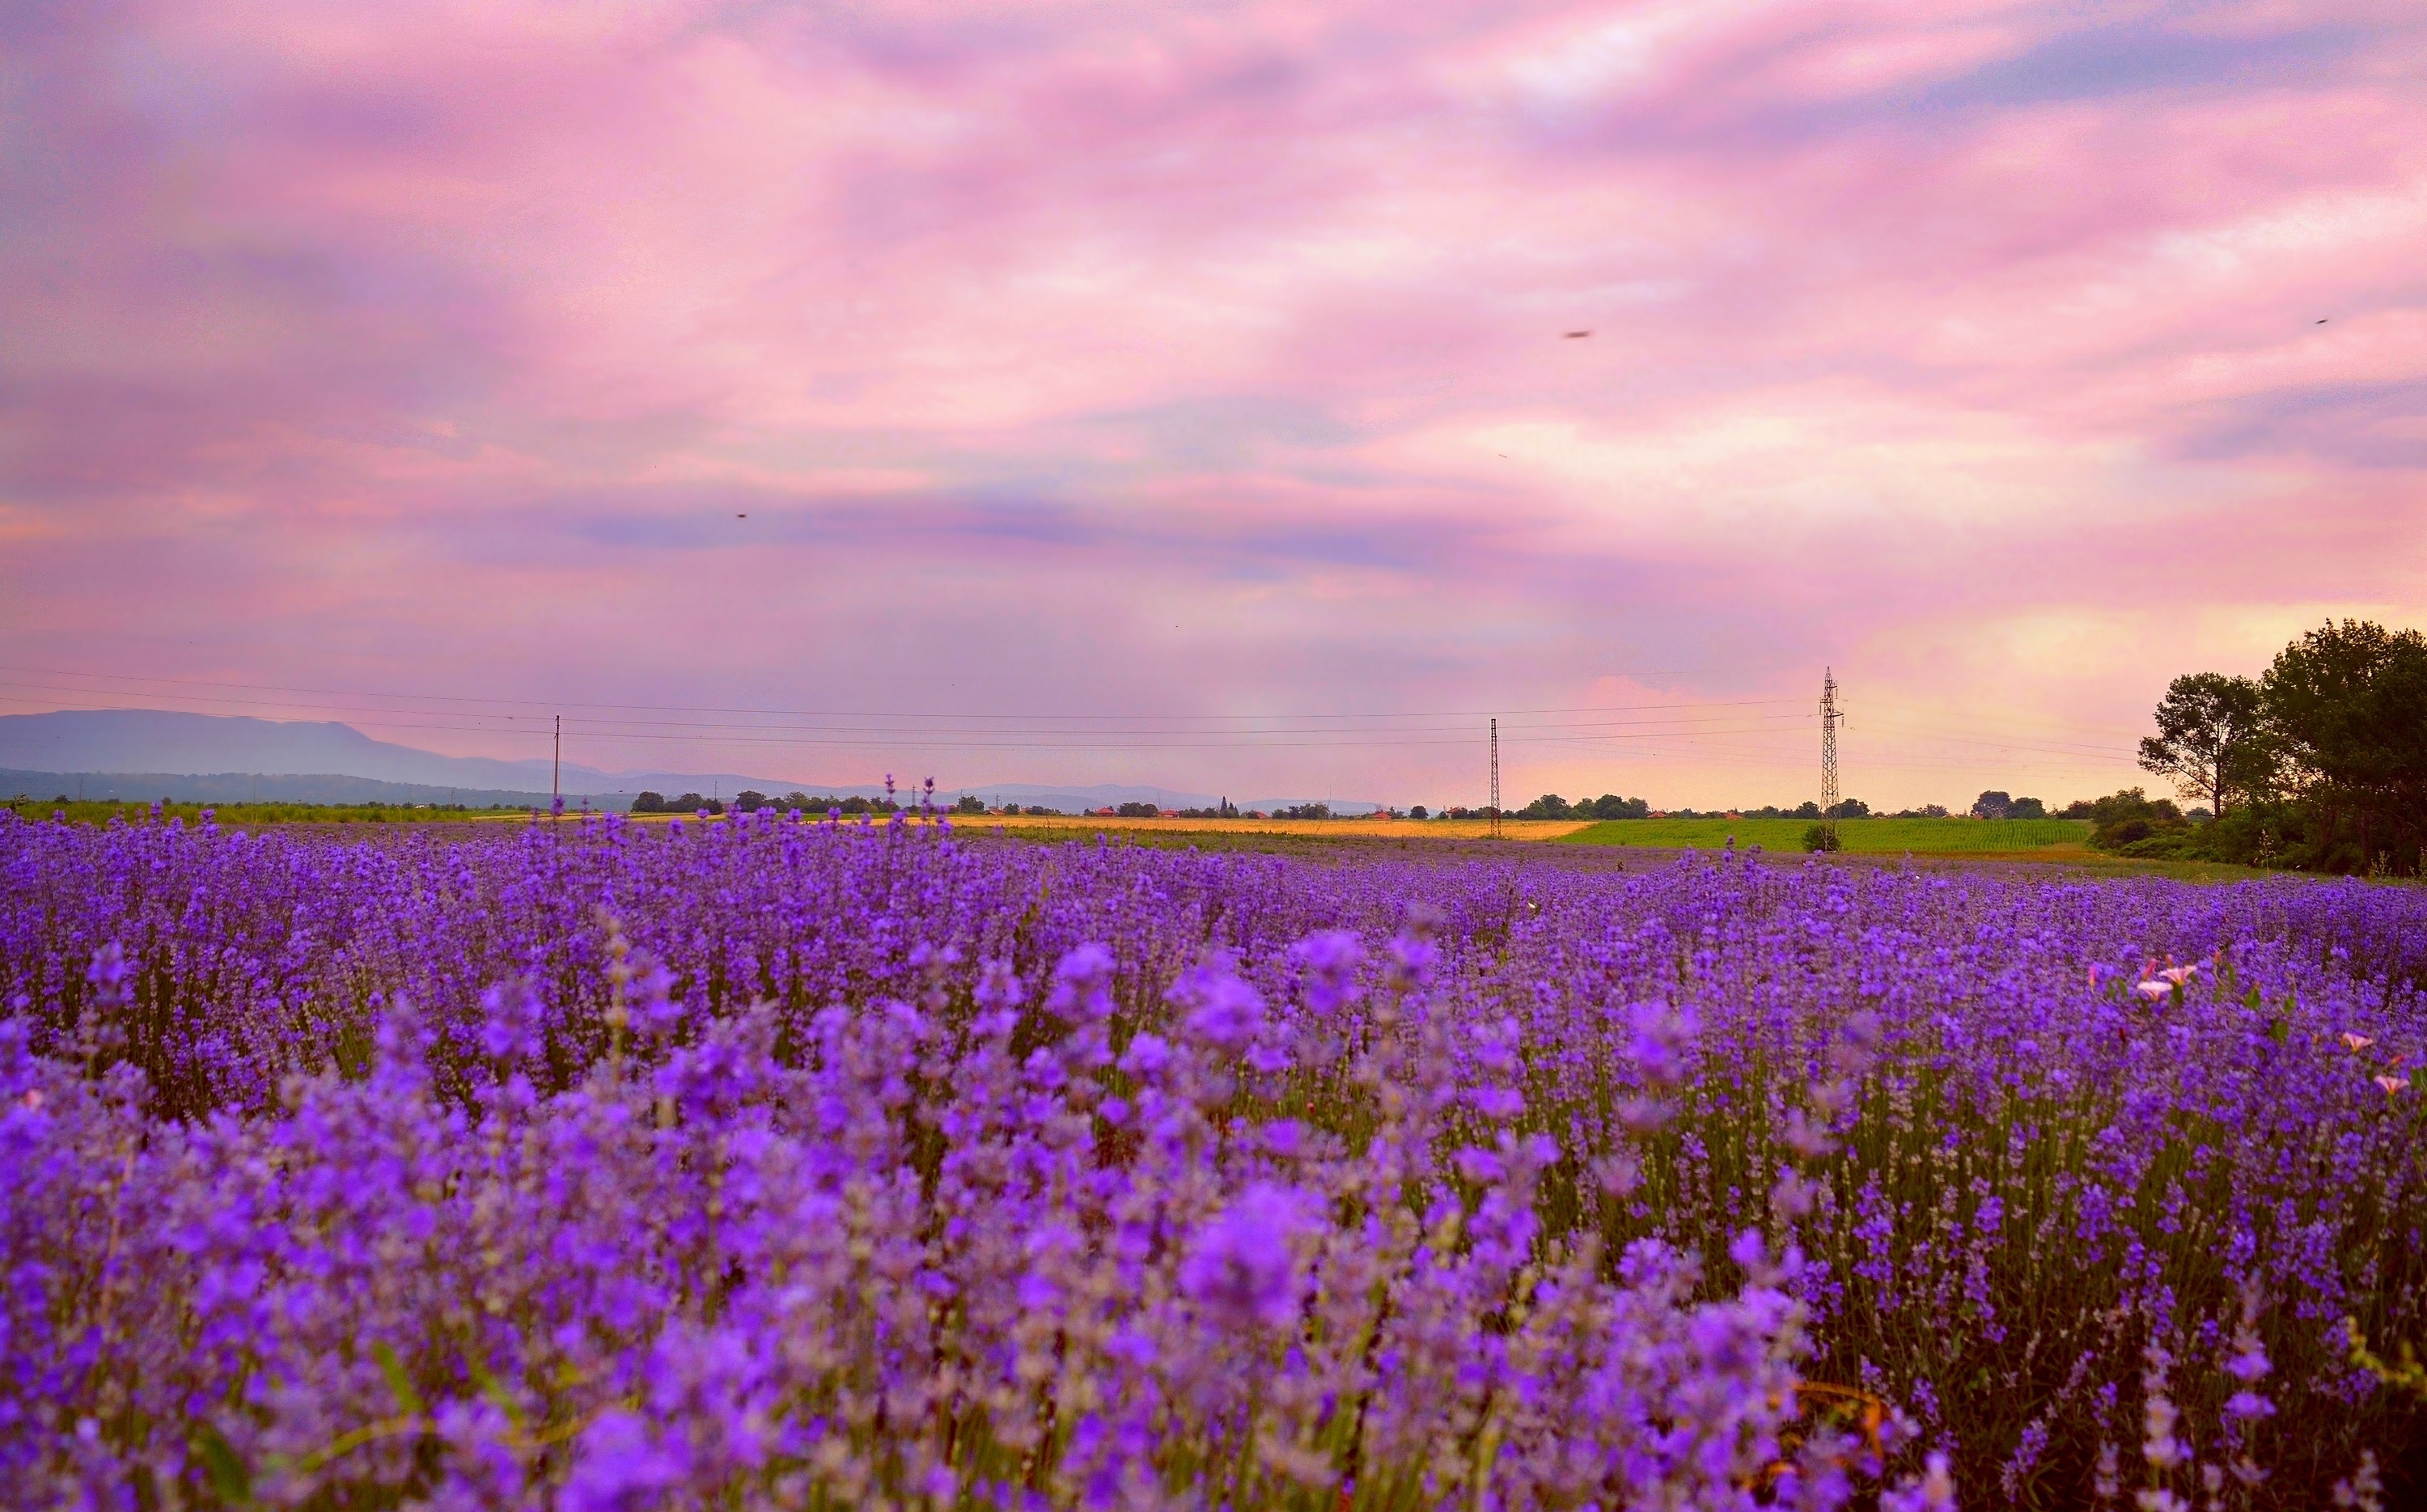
column 741, row 517
column 1577, row 335
column 2321, row 322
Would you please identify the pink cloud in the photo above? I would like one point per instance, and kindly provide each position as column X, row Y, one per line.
column 1165, row 363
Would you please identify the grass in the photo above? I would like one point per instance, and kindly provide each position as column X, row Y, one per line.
column 1396, row 829
column 2053, row 839
column 101, row 811
column 2061, row 840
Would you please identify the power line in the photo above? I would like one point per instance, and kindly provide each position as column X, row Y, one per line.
column 717, row 708
column 1164, row 725
column 894, row 722
column 836, row 733
column 1707, row 727
column 1703, row 738
column 1046, row 739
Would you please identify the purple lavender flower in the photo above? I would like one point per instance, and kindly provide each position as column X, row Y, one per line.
column 1329, row 959
column 510, row 1026
column 1083, row 982
column 621, row 1466
column 1218, row 1007
column 1242, row 1269
column 107, row 974
column 1662, row 1036
column 749, row 1174
column 1146, row 1057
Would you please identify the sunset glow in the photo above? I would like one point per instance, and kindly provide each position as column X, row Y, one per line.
column 1184, row 393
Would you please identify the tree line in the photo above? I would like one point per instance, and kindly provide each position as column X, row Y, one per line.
column 2320, row 763
column 749, row 801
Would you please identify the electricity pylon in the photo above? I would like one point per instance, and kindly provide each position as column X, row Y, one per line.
column 1829, row 716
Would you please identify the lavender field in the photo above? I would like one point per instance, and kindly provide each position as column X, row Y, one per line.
column 777, row 1162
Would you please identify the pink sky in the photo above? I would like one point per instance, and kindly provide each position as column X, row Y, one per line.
column 1175, row 369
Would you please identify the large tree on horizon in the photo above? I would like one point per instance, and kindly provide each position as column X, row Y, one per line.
column 2212, row 739
column 2347, row 706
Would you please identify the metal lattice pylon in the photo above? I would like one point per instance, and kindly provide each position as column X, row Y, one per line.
column 1495, row 779
column 1829, row 716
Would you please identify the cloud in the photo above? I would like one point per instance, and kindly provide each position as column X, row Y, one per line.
column 2150, row 55
column 2356, row 424
column 1177, row 359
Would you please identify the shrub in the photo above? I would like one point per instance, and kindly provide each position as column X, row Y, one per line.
column 2129, row 817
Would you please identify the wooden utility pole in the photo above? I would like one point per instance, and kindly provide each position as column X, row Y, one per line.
column 1495, row 778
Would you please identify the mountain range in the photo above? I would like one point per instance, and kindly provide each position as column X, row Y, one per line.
column 146, row 754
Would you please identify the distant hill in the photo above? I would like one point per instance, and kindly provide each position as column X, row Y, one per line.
column 132, row 740
column 225, row 759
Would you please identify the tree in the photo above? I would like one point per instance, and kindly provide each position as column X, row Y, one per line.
column 970, row 804
column 1550, row 805
column 2347, row 705
column 2212, row 739
column 1418, row 812
column 1991, row 805
column 1610, row 805
column 2130, row 816
column 749, row 801
column 1851, row 808
column 646, row 802
column 2027, row 808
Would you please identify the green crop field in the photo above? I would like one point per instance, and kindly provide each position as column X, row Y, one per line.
column 1876, row 836
column 101, row 811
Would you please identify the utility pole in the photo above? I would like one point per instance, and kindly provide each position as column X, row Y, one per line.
column 1495, row 778
column 1828, row 718
column 555, row 769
